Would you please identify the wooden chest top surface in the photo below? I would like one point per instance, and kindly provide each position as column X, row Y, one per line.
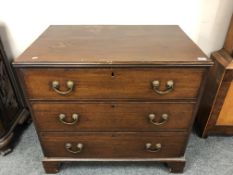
column 113, row 44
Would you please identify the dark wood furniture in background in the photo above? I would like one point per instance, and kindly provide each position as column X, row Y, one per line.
column 113, row 93
column 12, row 107
column 215, row 115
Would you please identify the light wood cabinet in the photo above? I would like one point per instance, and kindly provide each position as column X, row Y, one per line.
column 215, row 115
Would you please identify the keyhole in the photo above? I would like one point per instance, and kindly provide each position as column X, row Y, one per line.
column 113, row 74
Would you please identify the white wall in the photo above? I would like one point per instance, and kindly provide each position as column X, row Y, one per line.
column 205, row 21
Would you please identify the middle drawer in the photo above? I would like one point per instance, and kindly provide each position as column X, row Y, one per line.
column 133, row 116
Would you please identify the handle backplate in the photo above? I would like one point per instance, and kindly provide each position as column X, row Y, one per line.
column 62, row 117
column 153, row 148
column 78, row 149
column 56, row 87
column 169, row 87
column 162, row 120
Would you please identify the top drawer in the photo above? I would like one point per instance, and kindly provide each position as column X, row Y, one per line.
column 111, row 83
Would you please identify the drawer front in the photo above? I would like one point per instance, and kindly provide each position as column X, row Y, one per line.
column 114, row 145
column 124, row 83
column 112, row 116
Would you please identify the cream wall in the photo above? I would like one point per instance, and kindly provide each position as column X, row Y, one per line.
column 205, row 21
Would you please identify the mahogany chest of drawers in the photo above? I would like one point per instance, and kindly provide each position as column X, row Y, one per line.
column 113, row 93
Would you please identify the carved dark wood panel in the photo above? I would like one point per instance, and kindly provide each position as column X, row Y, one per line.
column 12, row 108
column 9, row 102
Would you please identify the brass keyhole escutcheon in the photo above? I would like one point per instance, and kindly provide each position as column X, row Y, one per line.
column 113, row 75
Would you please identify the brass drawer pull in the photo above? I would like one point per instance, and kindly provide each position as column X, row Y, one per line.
column 153, row 148
column 79, row 148
column 163, row 120
column 56, row 86
column 63, row 116
column 169, row 87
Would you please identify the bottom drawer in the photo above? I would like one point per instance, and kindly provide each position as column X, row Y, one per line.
column 114, row 144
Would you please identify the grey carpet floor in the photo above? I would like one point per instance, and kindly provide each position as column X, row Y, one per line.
column 212, row 156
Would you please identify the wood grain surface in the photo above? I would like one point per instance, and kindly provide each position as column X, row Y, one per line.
column 113, row 116
column 119, row 44
column 228, row 45
column 226, row 113
column 114, row 144
column 112, row 68
column 118, row 83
